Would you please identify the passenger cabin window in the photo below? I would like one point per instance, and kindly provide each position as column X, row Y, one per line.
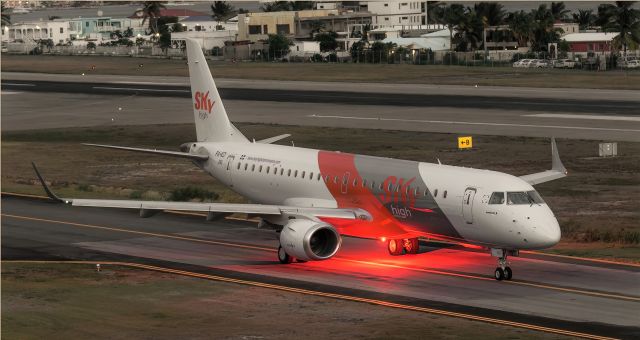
column 303, row 173
column 253, row 167
column 289, row 172
column 497, row 198
column 295, row 174
column 444, row 195
column 246, row 166
column 260, row 170
column 524, row 197
column 238, row 166
column 435, row 193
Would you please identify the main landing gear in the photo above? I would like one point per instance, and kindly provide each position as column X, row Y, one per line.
column 503, row 271
column 403, row 246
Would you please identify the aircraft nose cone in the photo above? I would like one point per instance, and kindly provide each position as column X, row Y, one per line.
column 549, row 233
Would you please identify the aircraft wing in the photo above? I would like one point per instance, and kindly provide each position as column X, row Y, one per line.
column 557, row 169
column 254, row 209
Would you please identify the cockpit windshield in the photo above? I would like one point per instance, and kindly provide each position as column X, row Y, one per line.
column 497, row 198
column 524, row 197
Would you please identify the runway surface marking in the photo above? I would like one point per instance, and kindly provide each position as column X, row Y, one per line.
column 328, row 295
column 136, row 89
column 586, row 259
column 470, row 123
column 595, row 117
column 386, row 265
column 16, row 84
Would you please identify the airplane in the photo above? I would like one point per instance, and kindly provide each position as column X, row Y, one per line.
column 314, row 197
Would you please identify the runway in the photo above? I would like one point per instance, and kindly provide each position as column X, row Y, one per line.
column 594, row 298
column 68, row 101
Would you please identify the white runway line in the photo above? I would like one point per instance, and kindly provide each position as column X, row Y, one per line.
column 18, row 84
column 472, row 123
column 137, row 89
column 11, row 92
column 597, row 117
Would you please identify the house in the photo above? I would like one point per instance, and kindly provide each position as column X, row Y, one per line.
column 30, row 32
column 435, row 41
column 582, row 44
column 393, row 13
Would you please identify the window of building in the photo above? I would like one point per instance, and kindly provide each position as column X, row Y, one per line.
column 386, row 19
column 265, row 29
column 86, row 24
column 386, row 5
column 283, row 29
column 255, row 29
column 61, row 29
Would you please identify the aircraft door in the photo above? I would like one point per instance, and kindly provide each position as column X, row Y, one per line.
column 467, row 205
column 230, row 160
column 345, row 182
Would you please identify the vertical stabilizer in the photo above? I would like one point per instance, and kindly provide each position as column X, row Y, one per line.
column 212, row 122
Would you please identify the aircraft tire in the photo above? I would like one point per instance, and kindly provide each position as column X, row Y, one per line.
column 508, row 273
column 283, row 257
column 395, row 247
column 499, row 274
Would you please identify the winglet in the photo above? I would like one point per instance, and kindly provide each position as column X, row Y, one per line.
column 48, row 190
column 556, row 163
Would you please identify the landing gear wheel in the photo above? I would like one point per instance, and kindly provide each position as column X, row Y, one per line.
column 508, row 273
column 411, row 245
column 395, row 247
column 499, row 274
column 283, row 256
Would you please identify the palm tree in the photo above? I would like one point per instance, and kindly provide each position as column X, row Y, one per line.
column 521, row 24
column 300, row 5
column 6, row 18
column 559, row 11
column 222, row 10
column 491, row 13
column 584, row 18
column 151, row 10
column 434, row 12
column 543, row 30
column 276, row 6
column 626, row 20
column 452, row 15
column 469, row 31
column 605, row 14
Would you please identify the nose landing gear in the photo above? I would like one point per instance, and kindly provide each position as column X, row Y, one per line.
column 503, row 271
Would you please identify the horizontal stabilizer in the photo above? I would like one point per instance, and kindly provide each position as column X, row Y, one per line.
column 274, row 139
column 154, row 151
column 557, row 169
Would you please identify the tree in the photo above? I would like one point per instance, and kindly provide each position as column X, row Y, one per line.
column 451, row 17
column 276, row 6
column 559, row 11
column 584, row 18
column 316, row 26
column 278, row 45
column 469, row 31
column 491, row 13
column 434, row 12
column 6, row 18
column 128, row 33
column 327, row 41
column 625, row 19
column 222, row 10
column 605, row 15
column 521, row 24
column 91, row 45
column 300, row 5
column 151, row 10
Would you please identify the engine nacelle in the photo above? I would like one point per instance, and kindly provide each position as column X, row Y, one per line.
column 308, row 240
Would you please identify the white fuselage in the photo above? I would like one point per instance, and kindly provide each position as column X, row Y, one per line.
column 407, row 198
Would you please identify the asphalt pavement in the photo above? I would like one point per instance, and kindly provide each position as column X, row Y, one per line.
column 573, row 295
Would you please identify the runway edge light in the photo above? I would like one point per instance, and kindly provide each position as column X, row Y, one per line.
column 465, row 142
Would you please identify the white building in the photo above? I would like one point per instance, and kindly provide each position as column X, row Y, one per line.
column 304, row 48
column 395, row 13
column 30, row 32
column 207, row 39
column 435, row 41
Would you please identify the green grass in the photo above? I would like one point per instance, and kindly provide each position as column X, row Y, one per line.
column 387, row 73
column 64, row 301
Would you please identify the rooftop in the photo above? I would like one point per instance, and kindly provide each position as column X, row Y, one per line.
column 586, row 37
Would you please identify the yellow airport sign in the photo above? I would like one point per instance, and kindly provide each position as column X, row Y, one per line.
column 465, row 142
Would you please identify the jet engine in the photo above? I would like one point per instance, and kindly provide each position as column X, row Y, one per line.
column 308, row 240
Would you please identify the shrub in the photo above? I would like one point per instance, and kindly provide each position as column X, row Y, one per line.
column 190, row 193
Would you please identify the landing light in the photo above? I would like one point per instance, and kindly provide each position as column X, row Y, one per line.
column 383, row 239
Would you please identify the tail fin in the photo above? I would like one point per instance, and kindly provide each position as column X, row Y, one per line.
column 212, row 123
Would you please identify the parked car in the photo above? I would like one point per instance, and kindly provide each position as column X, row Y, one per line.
column 564, row 63
column 623, row 61
column 522, row 63
column 539, row 63
column 632, row 64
